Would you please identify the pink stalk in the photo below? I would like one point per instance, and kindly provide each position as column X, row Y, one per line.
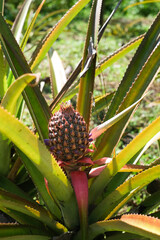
column 96, row 171
column 104, row 160
column 80, row 185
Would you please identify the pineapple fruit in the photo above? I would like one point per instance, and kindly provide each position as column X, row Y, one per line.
column 68, row 134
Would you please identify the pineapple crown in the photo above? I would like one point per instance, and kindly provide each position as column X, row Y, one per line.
column 67, row 109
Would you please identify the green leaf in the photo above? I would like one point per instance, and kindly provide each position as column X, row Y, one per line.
column 44, row 19
column 2, row 6
column 150, row 203
column 144, row 79
column 14, row 91
column 57, row 72
column 97, row 131
column 48, row 41
column 20, row 20
column 39, row 182
column 18, row 26
column 101, row 102
column 109, row 60
column 4, row 156
column 149, row 143
column 30, row 27
column 123, row 193
column 26, row 237
column 124, row 236
column 13, row 202
column 156, row 214
column 10, row 103
column 68, row 96
column 84, row 102
column 22, row 218
column 12, row 51
column 35, row 101
column 139, row 3
column 11, row 229
column 65, row 88
column 3, row 81
column 148, row 227
column 11, row 187
column 122, row 158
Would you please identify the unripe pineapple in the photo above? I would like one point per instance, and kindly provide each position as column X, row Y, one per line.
column 68, row 135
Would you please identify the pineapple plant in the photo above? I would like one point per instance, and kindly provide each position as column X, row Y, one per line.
column 60, row 191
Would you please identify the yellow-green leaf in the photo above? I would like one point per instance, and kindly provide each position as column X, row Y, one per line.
column 123, row 157
column 29, row 29
column 14, row 91
column 145, row 226
column 37, row 152
column 3, row 81
column 46, row 43
column 13, row 202
column 97, row 131
column 108, row 61
column 26, row 237
column 139, row 3
column 57, row 72
column 123, row 193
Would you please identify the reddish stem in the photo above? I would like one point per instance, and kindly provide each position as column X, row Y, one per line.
column 80, row 185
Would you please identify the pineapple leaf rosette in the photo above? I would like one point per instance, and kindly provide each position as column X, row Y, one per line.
column 60, row 178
